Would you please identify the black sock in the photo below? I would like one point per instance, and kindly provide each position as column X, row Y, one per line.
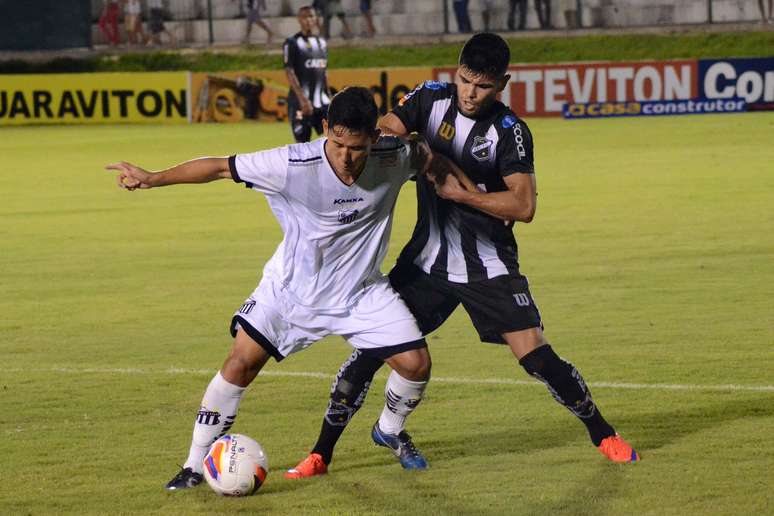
column 566, row 385
column 347, row 396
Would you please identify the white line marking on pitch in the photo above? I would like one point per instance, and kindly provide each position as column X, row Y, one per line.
column 474, row 381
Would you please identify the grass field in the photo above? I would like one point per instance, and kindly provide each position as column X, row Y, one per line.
column 651, row 256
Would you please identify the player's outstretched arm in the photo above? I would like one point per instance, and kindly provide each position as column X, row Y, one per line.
column 202, row 170
column 519, row 202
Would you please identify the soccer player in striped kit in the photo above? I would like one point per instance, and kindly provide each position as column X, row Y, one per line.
column 305, row 57
column 463, row 250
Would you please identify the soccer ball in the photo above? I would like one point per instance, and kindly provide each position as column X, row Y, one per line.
column 235, row 465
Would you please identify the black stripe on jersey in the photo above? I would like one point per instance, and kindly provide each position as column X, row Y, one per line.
column 509, row 258
column 446, row 148
column 233, row 170
column 473, row 263
column 234, row 173
column 305, row 160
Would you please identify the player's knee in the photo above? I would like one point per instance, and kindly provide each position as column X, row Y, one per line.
column 414, row 365
column 239, row 368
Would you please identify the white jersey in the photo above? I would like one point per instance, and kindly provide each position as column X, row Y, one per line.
column 335, row 235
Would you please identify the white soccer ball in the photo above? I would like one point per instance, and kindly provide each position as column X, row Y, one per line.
column 235, row 465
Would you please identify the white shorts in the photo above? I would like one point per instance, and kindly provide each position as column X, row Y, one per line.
column 378, row 322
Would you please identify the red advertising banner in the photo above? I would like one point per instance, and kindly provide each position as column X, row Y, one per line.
column 542, row 90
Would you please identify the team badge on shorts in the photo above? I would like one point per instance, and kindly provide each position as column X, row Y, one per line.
column 481, row 147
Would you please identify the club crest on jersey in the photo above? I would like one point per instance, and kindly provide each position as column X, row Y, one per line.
column 481, row 147
column 446, row 131
column 348, row 216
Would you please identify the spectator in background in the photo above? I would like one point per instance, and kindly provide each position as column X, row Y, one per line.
column 254, row 8
column 521, row 7
column 486, row 13
column 333, row 8
column 156, row 23
column 763, row 11
column 543, row 8
column 133, row 21
column 461, row 13
column 108, row 21
column 319, row 9
column 365, row 8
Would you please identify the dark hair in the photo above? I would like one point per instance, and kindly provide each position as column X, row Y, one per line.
column 486, row 54
column 354, row 108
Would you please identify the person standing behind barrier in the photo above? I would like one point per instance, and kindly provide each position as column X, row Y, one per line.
column 108, row 21
column 461, row 13
column 521, row 7
column 305, row 58
column 254, row 8
column 156, row 25
column 365, row 9
column 133, row 21
column 543, row 8
column 762, row 9
column 488, row 8
column 334, row 8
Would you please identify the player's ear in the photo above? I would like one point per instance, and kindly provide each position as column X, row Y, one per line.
column 325, row 126
column 503, row 82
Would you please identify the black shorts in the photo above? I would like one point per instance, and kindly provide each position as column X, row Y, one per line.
column 302, row 125
column 156, row 21
column 495, row 306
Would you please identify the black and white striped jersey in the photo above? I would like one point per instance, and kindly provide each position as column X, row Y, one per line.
column 451, row 240
column 308, row 57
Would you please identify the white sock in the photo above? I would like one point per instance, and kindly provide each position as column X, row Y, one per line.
column 401, row 398
column 216, row 415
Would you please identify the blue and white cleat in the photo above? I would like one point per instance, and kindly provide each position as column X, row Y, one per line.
column 401, row 446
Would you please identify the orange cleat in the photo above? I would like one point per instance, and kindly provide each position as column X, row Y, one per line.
column 311, row 466
column 618, row 450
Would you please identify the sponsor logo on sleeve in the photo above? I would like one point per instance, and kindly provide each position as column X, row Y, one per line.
column 434, row 85
column 508, row 121
column 518, row 137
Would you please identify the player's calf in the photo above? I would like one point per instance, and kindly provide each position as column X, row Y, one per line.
column 568, row 388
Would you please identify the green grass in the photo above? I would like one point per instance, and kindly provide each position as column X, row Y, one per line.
column 650, row 257
column 613, row 47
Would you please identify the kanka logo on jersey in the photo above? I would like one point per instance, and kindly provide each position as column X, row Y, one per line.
column 345, row 201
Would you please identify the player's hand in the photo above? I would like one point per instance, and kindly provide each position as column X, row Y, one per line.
column 131, row 177
column 306, row 108
column 451, row 189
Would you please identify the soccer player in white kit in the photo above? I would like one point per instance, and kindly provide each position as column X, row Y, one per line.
column 334, row 200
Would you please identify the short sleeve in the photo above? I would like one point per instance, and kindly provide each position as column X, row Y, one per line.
column 515, row 152
column 266, row 171
column 414, row 108
column 289, row 53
